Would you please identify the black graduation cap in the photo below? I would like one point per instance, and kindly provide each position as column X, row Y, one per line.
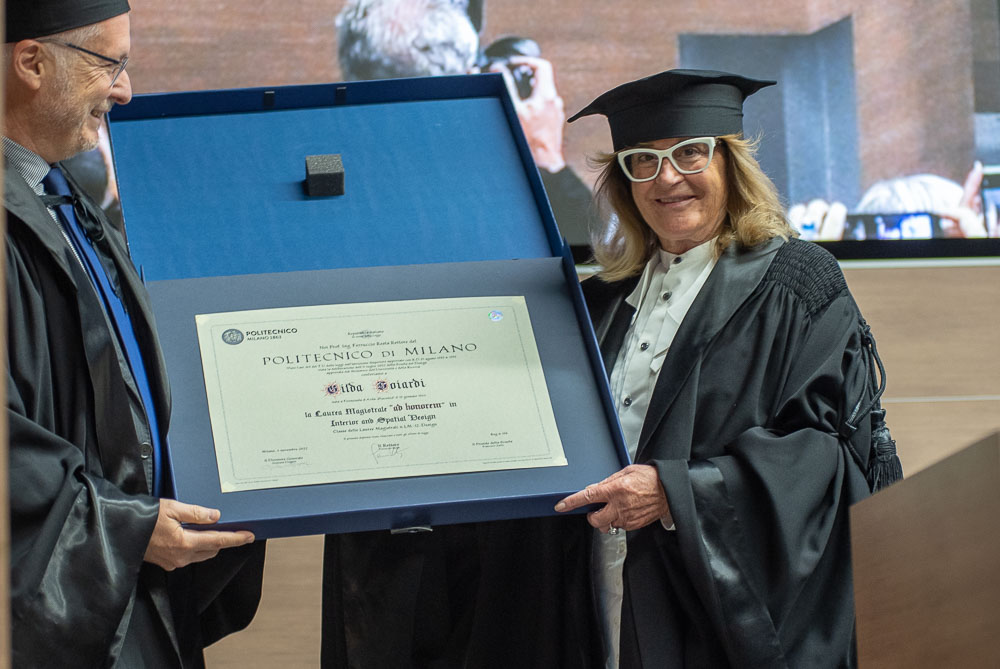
column 30, row 19
column 675, row 103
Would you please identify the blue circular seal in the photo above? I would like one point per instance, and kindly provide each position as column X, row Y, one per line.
column 496, row 316
column 232, row 336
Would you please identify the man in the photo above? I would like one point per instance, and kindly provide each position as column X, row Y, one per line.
column 389, row 39
column 99, row 554
column 531, row 82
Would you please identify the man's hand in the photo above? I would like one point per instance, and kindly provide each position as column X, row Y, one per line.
column 819, row 220
column 632, row 498
column 172, row 546
column 541, row 114
column 967, row 218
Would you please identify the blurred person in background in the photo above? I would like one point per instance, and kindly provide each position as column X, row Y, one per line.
column 958, row 207
column 531, row 84
column 94, row 170
column 389, row 39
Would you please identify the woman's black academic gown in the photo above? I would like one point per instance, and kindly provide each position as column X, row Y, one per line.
column 759, row 430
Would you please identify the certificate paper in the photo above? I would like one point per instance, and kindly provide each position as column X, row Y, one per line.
column 323, row 394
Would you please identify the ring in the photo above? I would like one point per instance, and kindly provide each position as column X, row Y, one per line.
column 614, row 530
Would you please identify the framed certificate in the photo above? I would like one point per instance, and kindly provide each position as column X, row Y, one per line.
column 355, row 392
column 443, row 222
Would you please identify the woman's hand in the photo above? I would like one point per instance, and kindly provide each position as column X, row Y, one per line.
column 632, row 498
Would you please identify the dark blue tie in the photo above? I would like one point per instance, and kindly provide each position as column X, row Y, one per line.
column 55, row 184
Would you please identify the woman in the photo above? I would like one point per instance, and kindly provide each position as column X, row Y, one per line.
column 743, row 374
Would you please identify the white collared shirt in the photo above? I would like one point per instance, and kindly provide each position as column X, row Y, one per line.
column 27, row 163
column 668, row 286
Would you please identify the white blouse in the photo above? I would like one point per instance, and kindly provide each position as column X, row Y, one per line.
column 668, row 286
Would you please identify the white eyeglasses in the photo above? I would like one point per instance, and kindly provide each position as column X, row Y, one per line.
column 688, row 157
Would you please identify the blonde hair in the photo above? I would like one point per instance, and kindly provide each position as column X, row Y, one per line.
column 753, row 210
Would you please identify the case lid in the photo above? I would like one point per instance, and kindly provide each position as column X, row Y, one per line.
column 441, row 199
column 435, row 170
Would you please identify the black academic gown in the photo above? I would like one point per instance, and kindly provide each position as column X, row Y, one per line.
column 80, row 503
column 490, row 595
column 748, row 429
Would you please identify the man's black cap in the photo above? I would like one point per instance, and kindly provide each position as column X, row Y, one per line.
column 675, row 103
column 31, row 19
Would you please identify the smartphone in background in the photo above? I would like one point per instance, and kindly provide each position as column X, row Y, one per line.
column 990, row 193
column 919, row 225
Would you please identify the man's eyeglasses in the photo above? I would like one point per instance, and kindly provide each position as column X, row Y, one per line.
column 688, row 157
column 119, row 65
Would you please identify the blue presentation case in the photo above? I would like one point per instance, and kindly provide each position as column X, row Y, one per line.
column 442, row 199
